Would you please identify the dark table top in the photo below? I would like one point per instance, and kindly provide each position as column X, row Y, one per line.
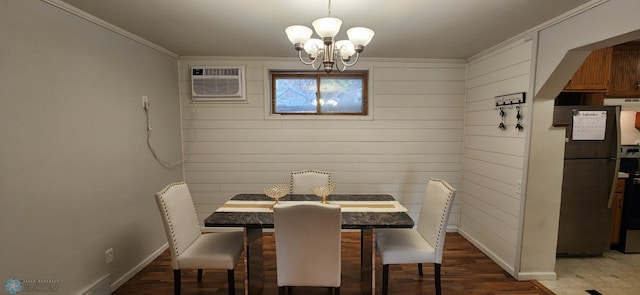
column 350, row 220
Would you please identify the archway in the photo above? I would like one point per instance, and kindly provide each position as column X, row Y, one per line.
column 561, row 50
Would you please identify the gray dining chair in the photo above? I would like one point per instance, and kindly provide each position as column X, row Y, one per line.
column 189, row 247
column 302, row 180
column 308, row 245
column 425, row 242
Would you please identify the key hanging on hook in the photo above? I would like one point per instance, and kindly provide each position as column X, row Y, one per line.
column 501, row 126
column 519, row 126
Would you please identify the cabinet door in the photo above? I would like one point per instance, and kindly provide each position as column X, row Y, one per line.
column 593, row 74
column 625, row 75
column 616, row 218
column 616, row 212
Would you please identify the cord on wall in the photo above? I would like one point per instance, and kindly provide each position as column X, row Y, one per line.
column 163, row 162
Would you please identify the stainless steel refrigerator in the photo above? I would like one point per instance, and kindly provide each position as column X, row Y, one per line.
column 591, row 164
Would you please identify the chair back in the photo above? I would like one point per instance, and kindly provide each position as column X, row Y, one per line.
column 308, row 244
column 434, row 214
column 180, row 219
column 302, row 180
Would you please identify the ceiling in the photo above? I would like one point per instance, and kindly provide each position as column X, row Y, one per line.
column 403, row 28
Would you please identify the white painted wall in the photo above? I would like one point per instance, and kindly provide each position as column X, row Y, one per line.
column 76, row 177
column 522, row 237
column 415, row 132
column 560, row 51
column 557, row 50
column 494, row 159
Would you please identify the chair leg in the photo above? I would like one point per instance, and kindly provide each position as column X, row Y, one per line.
column 199, row 275
column 337, row 291
column 176, row 281
column 385, row 279
column 231, row 282
column 282, row 291
column 436, row 274
column 420, row 269
column 290, row 289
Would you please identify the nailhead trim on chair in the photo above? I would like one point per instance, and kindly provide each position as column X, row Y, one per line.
column 309, row 171
column 442, row 225
column 164, row 207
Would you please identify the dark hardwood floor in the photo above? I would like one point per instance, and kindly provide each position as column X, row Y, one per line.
column 465, row 270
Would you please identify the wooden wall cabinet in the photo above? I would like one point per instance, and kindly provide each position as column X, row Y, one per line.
column 625, row 71
column 593, row 75
column 616, row 212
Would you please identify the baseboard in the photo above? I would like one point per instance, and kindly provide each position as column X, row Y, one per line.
column 100, row 287
column 508, row 268
column 520, row 276
column 539, row 276
column 127, row 276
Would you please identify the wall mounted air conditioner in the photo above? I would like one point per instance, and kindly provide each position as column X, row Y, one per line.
column 211, row 83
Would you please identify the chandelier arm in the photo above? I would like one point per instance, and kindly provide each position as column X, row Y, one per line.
column 313, row 66
column 347, row 64
column 311, row 62
column 344, row 66
column 330, row 51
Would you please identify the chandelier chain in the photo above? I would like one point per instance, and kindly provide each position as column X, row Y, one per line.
column 329, row 7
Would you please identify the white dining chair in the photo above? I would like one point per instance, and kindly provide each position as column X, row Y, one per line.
column 425, row 242
column 189, row 247
column 308, row 245
column 302, row 180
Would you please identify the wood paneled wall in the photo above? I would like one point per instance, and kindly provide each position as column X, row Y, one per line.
column 415, row 131
column 494, row 159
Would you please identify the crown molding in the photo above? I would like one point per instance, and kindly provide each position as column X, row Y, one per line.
column 93, row 19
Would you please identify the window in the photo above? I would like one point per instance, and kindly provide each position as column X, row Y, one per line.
column 312, row 93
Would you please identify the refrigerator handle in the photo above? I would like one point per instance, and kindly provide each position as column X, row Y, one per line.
column 617, row 159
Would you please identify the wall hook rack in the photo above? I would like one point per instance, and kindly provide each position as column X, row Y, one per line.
column 510, row 99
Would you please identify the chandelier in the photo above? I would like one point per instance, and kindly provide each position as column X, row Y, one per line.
column 330, row 52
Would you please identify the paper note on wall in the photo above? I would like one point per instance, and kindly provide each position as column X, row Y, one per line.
column 589, row 125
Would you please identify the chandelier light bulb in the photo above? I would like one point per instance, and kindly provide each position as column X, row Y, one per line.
column 327, row 27
column 313, row 46
column 298, row 34
column 346, row 49
column 360, row 36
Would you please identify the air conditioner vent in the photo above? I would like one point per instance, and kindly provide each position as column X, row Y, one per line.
column 217, row 83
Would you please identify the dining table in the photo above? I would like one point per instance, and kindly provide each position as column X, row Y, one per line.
column 363, row 212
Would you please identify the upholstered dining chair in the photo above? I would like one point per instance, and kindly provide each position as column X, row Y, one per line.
column 308, row 245
column 302, row 180
column 189, row 247
column 425, row 242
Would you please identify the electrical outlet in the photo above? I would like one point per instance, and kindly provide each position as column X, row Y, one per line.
column 519, row 187
column 109, row 255
column 145, row 101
